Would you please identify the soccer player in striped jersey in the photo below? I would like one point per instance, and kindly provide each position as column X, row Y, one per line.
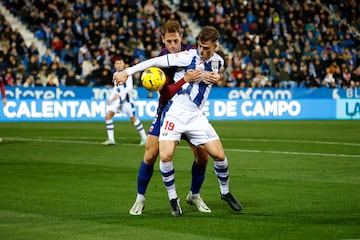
column 172, row 39
column 184, row 114
column 120, row 101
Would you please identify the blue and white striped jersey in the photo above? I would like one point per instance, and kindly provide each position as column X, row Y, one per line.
column 199, row 91
column 186, row 60
column 123, row 90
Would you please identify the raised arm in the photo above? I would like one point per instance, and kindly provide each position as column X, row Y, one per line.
column 181, row 59
column 170, row 90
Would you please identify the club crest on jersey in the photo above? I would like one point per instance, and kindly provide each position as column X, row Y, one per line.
column 215, row 66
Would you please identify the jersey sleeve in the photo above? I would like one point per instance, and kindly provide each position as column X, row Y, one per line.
column 181, row 59
column 170, row 90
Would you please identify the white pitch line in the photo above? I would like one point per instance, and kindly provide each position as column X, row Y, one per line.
column 222, row 139
column 296, row 153
column 47, row 140
column 292, row 141
column 185, row 147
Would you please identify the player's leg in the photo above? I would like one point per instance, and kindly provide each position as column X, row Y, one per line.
column 145, row 173
column 216, row 151
column 129, row 109
column 173, row 125
column 140, row 128
column 198, row 176
column 198, row 168
column 109, row 128
column 147, row 166
column 203, row 134
column 166, row 150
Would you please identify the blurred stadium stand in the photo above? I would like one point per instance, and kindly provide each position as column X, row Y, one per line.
column 266, row 43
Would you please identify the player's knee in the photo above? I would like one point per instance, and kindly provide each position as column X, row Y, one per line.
column 150, row 160
column 166, row 157
column 202, row 159
column 150, row 156
column 109, row 115
column 133, row 119
column 201, row 162
column 219, row 157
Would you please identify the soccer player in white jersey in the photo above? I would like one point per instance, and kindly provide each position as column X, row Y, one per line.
column 120, row 100
column 171, row 34
column 184, row 114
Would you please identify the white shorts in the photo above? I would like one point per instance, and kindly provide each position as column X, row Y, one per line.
column 194, row 124
column 126, row 107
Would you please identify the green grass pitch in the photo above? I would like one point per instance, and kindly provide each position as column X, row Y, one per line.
column 296, row 180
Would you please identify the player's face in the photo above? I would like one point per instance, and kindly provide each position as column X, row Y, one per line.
column 119, row 65
column 172, row 42
column 206, row 49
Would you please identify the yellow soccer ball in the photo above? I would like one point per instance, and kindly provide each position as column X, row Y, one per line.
column 153, row 79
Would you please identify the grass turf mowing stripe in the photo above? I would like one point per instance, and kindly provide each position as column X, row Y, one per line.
column 58, row 140
column 79, row 189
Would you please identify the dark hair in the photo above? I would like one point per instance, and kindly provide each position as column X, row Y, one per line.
column 119, row 59
column 171, row 26
column 208, row 33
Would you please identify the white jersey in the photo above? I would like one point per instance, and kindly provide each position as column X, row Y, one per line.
column 121, row 99
column 123, row 90
column 184, row 114
column 197, row 91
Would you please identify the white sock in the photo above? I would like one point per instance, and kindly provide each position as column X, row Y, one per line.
column 110, row 129
column 222, row 172
column 140, row 197
column 140, row 128
column 168, row 176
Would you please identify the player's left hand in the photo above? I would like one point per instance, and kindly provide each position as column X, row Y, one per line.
column 211, row 77
column 193, row 75
column 120, row 78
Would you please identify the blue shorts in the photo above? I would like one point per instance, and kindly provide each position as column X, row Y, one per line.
column 155, row 126
column 156, row 123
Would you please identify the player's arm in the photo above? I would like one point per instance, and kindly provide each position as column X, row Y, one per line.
column 181, row 59
column 171, row 89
